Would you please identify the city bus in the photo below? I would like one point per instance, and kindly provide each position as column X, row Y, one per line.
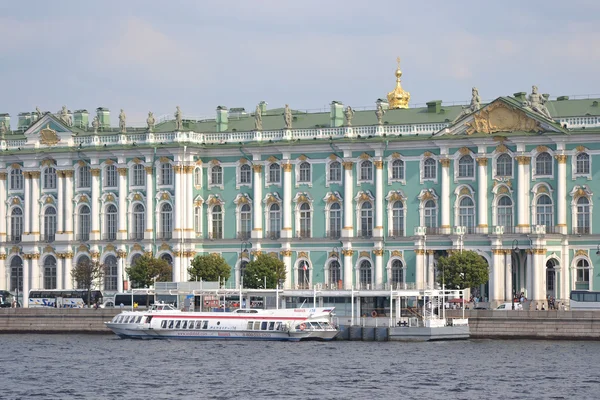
column 61, row 298
column 584, row 300
column 143, row 300
column 6, row 299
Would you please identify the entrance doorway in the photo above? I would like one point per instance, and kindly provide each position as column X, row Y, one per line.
column 551, row 278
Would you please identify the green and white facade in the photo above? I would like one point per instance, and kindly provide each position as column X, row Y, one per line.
column 362, row 204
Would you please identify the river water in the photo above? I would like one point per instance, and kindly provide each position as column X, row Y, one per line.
column 106, row 367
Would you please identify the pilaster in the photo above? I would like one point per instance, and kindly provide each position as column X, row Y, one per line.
column 189, row 203
column 430, row 269
column 60, row 213
column 496, row 283
column 178, row 212
column 420, row 268
column 445, row 200
column 378, row 268
column 257, row 230
column 3, row 190
column 35, row 202
column 4, row 276
column 378, row 230
column 149, row 204
column 348, row 276
column 287, row 260
column 68, row 270
column 95, row 231
column 523, row 225
column 69, row 203
column 347, row 229
column 482, row 201
column 561, row 194
column 122, row 223
column 508, row 276
column 286, row 232
column 27, row 204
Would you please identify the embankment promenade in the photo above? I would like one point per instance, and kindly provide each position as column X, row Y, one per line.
column 565, row 325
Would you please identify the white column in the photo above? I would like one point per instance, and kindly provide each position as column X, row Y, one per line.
column 27, row 204
column 189, row 203
column 60, row 217
column 95, row 229
column 378, row 232
column 68, row 270
column 347, row 230
column 4, row 275
column 3, row 177
column 69, row 202
column 539, row 276
column 122, row 232
column 60, row 271
column 35, row 202
column 177, row 266
column 523, row 225
column 348, row 277
column 287, row 260
column 565, row 288
column 257, row 230
column 26, row 279
column 177, row 211
column 482, row 203
column 286, row 232
column 378, row 269
column 508, row 281
column 445, row 200
column 36, row 279
column 420, row 268
column 430, row 269
column 150, row 204
column 120, row 274
column 529, row 276
column 496, row 284
column 561, row 193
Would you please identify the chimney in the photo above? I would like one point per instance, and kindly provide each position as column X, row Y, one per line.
column 521, row 96
column 562, row 98
column 103, row 115
column 434, row 106
column 24, row 121
column 6, row 119
column 221, row 119
column 263, row 107
column 81, row 119
column 336, row 115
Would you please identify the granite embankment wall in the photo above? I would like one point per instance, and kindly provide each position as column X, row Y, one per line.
column 52, row 320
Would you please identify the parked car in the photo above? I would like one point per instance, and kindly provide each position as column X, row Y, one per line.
column 509, row 306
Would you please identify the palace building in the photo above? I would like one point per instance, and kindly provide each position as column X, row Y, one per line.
column 363, row 199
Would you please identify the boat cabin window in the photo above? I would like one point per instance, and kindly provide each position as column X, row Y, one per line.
column 256, row 325
column 249, row 327
column 139, row 319
column 263, row 326
column 204, row 324
column 271, row 325
column 198, row 324
column 191, row 325
column 148, row 319
column 278, row 326
column 163, row 323
column 171, row 324
column 183, row 324
column 242, row 311
column 177, row 324
column 315, row 325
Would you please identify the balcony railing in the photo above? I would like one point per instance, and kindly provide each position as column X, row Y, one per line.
column 365, row 234
column 509, row 229
column 215, row 235
column 14, row 239
column 333, row 234
column 47, row 238
column 394, row 233
column 303, row 234
column 109, row 237
column 136, row 236
column 469, row 230
column 400, row 286
column 244, row 235
column 433, row 230
column 82, row 237
column 164, row 235
column 584, row 230
column 553, row 229
column 273, row 235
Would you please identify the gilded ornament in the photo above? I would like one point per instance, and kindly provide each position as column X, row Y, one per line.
column 164, row 160
column 68, row 173
column 398, row 98
column 49, row 200
column 482, row 161
column 334, row 254
column 214, row 200
column 541, row 148
column 464, row 151
column 395, row 155
column 427, row 196
column 137, row 247
column 148, row 170
column 542, row 189
column 364, row 197
column 465, row 191
column 109, row 247
column 348, row 165
column 302, row 158
column 561, row 158
column 257, row 168
column 272, row 159
column 445, row 162
column 81, row 163
column 136, row 161
column 303, row 254
column 165, row 196
column 523, row 160
column 302, row 198
column 243, row 161
column 378, row 164
column 164, row 247
column 274, row 254
column 48, row 136
column 35, row 174
column 198, row 203
column 347, row 252
column 364, row 156
column 16, row 201
column 48, row 249
column 82, row 248
column 427, row 154
column 95, row 171
column 332, row 157
column 243, row 200
column 419, row 252
column 122, row 171
column 378, row 252
column 3, row 256
column 256, row 253
column 286, row 253
column 581, row 252
column 397, row 253
column 499, row 117
column 110, row 197
column 215, row 162
column 364, row 254
column 109, row 162
column 137, row 197
column 501, row 148
column 287, row 167
column 580, row 148
column 3, row 176
column 503, row 190
column 580, row 192
column 48, row 163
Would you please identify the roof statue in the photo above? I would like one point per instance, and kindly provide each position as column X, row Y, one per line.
column 379, row 113
column 287, row 117
column 65, row 117
column 96, row 124
column 398, row 98
column 38, row 113
column 3, row 128
column 150, row 121
column 178, row 119
column 349, row 113
column 537, row 102
column 474, row 106
column 122, row 119
column 258, row 119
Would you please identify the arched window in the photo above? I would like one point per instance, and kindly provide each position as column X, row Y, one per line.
column 430, row 214
column 274, row 173
column 49, row 181
column 365, row 274
column 429, row 169
column 466, row 213
column 111, row 277
column 166, row 174
column 544, row 211
column 139, row 222
column 335, row 274
column 166, row 221
column 303, row 275
column 335, row 171
column 583, row 274
column 167, row 257
column 366, row 171
column 245, row 221
column 16, row 179
column 504, row 165
column 198, row 219
column 398, row 170
column 274, row 221
column 16, row 274
column 583, row 215
column 84, row 223
column 582, row 164
column 84, row 177
column 543, row 164
column 49, row 273
column 397, row 219
column 304, row 172
column 397, row 278
column 197, row 176
column 504, row 214
column 216, row 175
column 16, row 225
column 111, row 222
column 110, row 176
column 366, row 220
column 49, row 224
column 139, row 175
column 245, row 174
column 217, row 222
column 466, row 168
column 335, row 221
column 305, row 220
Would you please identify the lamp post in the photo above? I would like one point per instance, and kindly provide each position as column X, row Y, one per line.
column 515, row 250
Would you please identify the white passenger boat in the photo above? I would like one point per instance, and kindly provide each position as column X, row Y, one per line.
column 163, row 321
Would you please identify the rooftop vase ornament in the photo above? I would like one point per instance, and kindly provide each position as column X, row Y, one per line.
column 349, row 113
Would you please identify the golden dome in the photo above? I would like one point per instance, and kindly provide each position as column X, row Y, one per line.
column 398, row 98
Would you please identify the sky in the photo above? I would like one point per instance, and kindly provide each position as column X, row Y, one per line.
column 147, row 55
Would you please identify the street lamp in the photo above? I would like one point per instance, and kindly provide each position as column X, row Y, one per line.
column 515, row 250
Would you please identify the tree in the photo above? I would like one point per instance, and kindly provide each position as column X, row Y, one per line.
column 264, row 266
column 462, row 270
column 209, row 267
column 87, row 275
column 146, row 270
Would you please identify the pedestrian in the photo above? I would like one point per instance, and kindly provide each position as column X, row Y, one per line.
column 537, row 307
column 543, row 307
column 122, row 305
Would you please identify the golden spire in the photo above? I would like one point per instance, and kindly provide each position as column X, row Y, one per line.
column 398, row 98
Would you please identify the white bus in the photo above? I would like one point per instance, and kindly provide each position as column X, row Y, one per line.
column 584, row 300
column 60, row 298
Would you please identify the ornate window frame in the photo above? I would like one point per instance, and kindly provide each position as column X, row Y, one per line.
column 578, row 192
column 214, row 164
column 105, row 166
column 388, row 268
column 390, row 168
column 269, row 199
column 360, row 163
column 392, row 197
column 364, row 196
column 363, row 257
column 538, row 190
column 133, row 166
column 458, row 155
column 499, row 191
column 327, row 271
column 328, row 181
column 198, row 216
column 79, row 186
column 574, row 268
column 303, row 256
column 300, row 161
column 578, row 151
column 9, row 172
column 422, row 159
column 462, row 191
column 329, row 199
column 424, row 196
column 298, row 200
column 241, row 163
column 241, row 200
column 271, row 161
column 534, row 155
column 212, row 201
column 46, row 165
column 159, row 168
